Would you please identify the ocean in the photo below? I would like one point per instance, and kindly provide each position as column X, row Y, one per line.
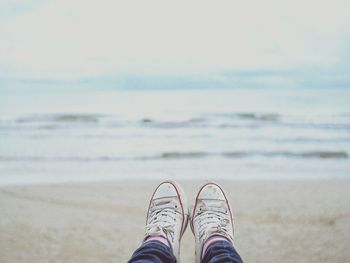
column 267, row 134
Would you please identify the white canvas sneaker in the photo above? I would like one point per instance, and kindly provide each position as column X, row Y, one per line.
column 211, row 216
column 168, row 214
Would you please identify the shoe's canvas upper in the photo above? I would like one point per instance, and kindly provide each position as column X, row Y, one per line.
column 168, row 215
column 211, row 216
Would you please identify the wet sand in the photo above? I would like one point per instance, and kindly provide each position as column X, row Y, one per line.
column 275, row 221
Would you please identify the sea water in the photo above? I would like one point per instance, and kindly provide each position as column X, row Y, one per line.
column 174, row 134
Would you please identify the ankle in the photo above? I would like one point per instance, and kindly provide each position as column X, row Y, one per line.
column 157, row 238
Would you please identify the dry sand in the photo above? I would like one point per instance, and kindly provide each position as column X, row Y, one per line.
column 282, row 221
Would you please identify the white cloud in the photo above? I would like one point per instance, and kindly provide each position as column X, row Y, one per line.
column 72, row 39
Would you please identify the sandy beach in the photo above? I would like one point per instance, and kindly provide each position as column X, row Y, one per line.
column 275, row 221
column 101, row 101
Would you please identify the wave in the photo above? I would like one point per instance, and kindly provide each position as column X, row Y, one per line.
column 255, row 116
column 307, row 154
column 59, row 159
column 66, row 118
column 190, row 123
column 194, row 120
column 259, row 117
column 226, row 120
column 185, row 155
column 269, row 127
column 230, row 120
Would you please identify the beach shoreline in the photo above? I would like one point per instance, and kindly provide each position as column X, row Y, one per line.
column 275, row 221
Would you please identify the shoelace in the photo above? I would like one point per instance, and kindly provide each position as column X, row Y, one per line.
column 212, row 220
column 162, row 219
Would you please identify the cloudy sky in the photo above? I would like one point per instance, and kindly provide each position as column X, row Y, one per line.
column 75, row 39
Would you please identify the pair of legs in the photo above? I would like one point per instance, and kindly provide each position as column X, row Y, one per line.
column 167, row 218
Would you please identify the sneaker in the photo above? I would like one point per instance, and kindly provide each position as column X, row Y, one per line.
column 167, row 215
column 211, row 216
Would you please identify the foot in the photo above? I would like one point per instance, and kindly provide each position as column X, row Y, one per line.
column 211, row 217
column 167, row 215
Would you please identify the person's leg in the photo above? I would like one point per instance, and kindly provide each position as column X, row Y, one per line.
column 153, row 252
column 221, row 251
column 166, row 222
column 212, row 225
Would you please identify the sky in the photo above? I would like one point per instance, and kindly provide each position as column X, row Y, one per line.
column 283, row 42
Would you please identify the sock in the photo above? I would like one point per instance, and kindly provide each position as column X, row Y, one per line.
column 158, row 238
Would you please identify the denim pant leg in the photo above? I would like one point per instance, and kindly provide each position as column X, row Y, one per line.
column 221, row 251
column 153, row 252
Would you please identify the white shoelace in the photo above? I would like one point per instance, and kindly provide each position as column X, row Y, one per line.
column 162, row 219
column 213, row 220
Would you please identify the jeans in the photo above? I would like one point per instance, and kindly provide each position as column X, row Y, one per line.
column 157, row 252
